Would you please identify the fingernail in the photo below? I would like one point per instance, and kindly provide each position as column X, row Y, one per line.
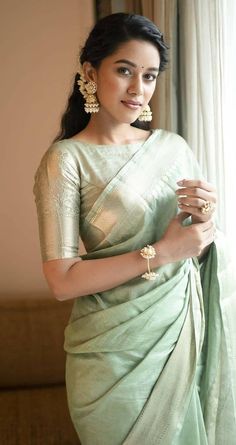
column 180, row 182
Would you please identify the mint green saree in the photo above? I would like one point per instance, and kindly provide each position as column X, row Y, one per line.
column 147, row 362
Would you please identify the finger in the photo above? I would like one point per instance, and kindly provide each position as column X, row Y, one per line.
column 193, row 211
column 196, row 193
column 198, row 183
column 191, row 202
column 196, row 211
column 194, row 206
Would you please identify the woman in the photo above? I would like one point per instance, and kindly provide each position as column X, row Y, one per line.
column 139, row 368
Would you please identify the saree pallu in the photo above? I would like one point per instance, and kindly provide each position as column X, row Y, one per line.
column 152, row 362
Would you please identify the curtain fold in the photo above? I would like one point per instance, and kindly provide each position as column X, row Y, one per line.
column 227, row 14
column 207, row 61
column 201, row 89
column 164, row 101
column 134, row 6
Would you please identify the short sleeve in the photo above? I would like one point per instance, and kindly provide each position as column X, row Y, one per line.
column 57, row 198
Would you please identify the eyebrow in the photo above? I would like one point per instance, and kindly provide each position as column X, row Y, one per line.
column 128, row 62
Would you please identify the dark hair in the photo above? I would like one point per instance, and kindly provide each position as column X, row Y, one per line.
column 105, row 38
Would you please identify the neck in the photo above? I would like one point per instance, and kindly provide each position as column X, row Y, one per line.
column 104, row 131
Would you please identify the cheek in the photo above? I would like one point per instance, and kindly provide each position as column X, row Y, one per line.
column 108, row 88
column 150, row 90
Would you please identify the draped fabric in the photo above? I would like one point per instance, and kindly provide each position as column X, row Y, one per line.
column 147, row 362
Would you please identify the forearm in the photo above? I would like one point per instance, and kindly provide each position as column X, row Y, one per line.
column 85, row 277
column 71, row 278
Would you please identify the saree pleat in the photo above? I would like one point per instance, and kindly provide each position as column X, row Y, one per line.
column 149, row 362
column 167, row 404
column 132, row 352
column 193, row 430
column 218, row 384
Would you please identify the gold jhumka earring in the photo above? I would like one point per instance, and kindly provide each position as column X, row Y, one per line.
column 88, row 90
column 146, row 114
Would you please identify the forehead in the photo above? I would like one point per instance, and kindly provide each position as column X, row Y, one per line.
column 138, row 51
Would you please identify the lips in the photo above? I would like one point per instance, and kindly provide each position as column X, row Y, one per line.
column 131, row 104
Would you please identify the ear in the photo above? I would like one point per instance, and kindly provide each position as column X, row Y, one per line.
column 90, row 72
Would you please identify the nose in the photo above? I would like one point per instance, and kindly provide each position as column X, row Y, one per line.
column 136, row 86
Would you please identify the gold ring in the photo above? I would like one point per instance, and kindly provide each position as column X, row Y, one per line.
column 207, row 207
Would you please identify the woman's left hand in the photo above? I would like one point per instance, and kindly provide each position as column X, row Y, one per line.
column 198, row 198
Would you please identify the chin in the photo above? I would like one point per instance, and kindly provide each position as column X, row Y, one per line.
column 129, row 120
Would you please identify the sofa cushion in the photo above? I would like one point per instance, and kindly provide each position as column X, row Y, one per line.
column 36, row 416
column 31, row 340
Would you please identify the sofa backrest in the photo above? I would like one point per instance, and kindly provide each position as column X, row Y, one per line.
column 31, row 340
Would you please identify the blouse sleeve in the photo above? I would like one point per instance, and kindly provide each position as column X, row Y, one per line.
column 57, row 197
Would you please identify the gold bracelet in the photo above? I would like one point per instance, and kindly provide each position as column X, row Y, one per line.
column 149, row 252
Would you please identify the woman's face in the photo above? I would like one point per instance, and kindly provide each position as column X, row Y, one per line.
column 126, row 80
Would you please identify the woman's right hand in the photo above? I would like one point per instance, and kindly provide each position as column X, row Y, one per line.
column 180, row 241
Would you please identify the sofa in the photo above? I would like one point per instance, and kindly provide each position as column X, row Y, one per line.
column 33, row 406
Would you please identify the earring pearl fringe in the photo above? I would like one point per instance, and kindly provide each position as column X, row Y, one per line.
column 146, row 115
column 88, row 90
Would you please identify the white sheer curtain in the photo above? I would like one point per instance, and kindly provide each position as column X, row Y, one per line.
column 207, row 45
column 164, row 103
column 228, row 13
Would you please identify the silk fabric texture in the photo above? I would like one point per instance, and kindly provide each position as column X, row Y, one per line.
column 147, row 362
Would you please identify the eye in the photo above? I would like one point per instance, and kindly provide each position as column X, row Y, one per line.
column 124, row 70
column 150, row 77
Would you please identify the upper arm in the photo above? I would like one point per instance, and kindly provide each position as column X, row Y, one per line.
column 57, row 197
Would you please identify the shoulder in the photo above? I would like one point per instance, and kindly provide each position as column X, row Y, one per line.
column 171, row 137
column 59, row 155
column 173, row 143
column 61, row 150
column 59, row 160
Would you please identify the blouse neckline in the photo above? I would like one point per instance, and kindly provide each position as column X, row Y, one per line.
column 134, row 144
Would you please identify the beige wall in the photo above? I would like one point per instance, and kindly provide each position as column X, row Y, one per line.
column 39, row 45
